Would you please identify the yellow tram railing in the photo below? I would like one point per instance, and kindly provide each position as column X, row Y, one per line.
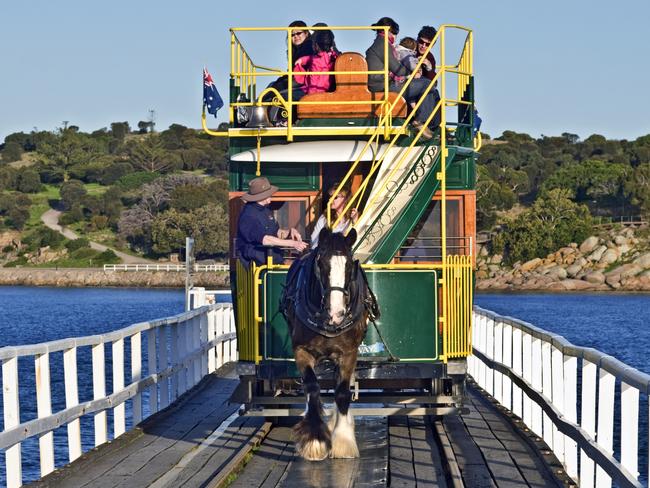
column 458, row 286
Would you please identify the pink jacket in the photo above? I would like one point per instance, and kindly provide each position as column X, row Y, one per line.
column 322, row 61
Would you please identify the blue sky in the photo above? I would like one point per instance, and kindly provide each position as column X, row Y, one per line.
column 541, row 67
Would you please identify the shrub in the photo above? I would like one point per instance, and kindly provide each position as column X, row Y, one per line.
column 8, row 248
column 83, row 253
column 41, row 237
column 81, row 243
column 29, row 181
column 106, row 257
column 136, row 180
column 17, row 218
column 21, row 261
column 75, row 214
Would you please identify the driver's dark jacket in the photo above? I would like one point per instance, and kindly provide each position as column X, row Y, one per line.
column 255, row 222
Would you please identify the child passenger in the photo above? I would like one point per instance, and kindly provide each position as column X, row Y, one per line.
column 322, row 59
column 406, row 53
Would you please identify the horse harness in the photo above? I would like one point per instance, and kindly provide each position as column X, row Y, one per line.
column 304, row 297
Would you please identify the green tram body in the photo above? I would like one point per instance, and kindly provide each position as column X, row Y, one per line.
column 410, row 294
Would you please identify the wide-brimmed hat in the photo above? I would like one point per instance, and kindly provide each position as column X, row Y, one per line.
column 259, row 189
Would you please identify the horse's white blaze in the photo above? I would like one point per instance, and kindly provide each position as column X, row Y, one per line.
column 344, row 444
column 337, row 299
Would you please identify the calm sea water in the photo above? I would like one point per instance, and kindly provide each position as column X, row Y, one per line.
column 616, row 324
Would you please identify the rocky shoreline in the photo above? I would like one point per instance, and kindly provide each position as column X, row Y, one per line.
column 97, row 277
column 617, row 260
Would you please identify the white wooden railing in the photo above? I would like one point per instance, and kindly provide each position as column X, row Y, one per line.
column 165, row 267
column 545, row 380
column 175, row 352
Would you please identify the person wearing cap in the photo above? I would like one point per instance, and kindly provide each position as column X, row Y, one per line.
column 257, row 229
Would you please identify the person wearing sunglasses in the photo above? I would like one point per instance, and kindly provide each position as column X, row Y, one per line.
column 397, row 77
column 301, row 46
column 425, row 37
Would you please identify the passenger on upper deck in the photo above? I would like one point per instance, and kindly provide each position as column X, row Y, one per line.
column 425, row 37
column 406, row 53
column 301, row 45
column 397, row 74
column 338, row 204
column 322, row 60
column 257, row 229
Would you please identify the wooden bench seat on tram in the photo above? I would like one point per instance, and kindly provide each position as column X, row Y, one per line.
column 349, row 87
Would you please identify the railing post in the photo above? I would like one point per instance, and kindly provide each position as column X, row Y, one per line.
column 221, row 348
column 588, row 420
column 44, row 408
column 517, row 366
column 163, row 363
column 196, row 347
column 72, row 400
column 175, row 359
column 630, row 428
column 136, row 375
column 498, row 356
column 203, row 340
column 152, row 368
column 11, row 410
column 99, row 391
column 537, row 366
column 119, row 411
column 571, row 413
column 507, row 360
column 527, row 369
column 489, row 352
column 558, row 399
column 211, row 317
column 605, row 431
column 547, row 389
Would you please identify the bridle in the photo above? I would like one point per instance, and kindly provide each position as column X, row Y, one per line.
column 326, row 290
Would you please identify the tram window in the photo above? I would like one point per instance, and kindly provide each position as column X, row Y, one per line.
column 425, row 243
column 291, row 213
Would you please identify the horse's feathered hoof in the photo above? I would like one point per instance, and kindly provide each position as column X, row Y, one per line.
column 313, row 441
column 344, row 443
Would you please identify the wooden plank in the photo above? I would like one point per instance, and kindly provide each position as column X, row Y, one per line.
column 427, row 464
column 502, row 467
column 533, row 459
column 470, row 460
column 270, row 462
column 455, row 478
column 401, row 454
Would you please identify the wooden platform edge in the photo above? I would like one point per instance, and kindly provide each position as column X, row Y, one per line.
column 451, row 465
column 544, row 452
column 237, row 463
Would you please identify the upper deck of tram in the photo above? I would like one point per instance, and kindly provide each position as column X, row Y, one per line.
column 349, row 109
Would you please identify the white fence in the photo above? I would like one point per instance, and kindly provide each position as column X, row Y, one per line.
column 176, row 353
column 543, row 379
column 165, row 267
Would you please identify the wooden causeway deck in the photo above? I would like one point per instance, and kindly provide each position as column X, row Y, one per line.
column 187, row 445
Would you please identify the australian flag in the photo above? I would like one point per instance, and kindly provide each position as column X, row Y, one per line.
column 211, row 97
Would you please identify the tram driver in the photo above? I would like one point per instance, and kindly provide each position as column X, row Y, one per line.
column 257, row 229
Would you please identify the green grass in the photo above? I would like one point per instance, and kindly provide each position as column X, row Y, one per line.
column 41, row 204
column 95, row 188
column 82, row 258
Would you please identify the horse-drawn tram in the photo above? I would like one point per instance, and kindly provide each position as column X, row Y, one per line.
column 380, row 162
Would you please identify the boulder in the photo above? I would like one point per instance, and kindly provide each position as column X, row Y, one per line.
column 595, row 277
column 530, row 265
column 624, row 249
column 643, row 260
column 597, row 253
column 496, row 259
column 573, row 270
column 481, row 274
column 589, row 244
column 569, row 285
column 557, row 272
column 610, row 256
column 620, row 240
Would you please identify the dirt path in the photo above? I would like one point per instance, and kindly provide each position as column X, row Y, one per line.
column 51, row 220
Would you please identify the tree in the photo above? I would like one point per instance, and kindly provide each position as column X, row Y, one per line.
column 17, row 217
column 12, row 151
column 71, row 148
column 72, row 193
column 149, row 154
column 29, row 181
column 120, row 130
column 208, row 226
